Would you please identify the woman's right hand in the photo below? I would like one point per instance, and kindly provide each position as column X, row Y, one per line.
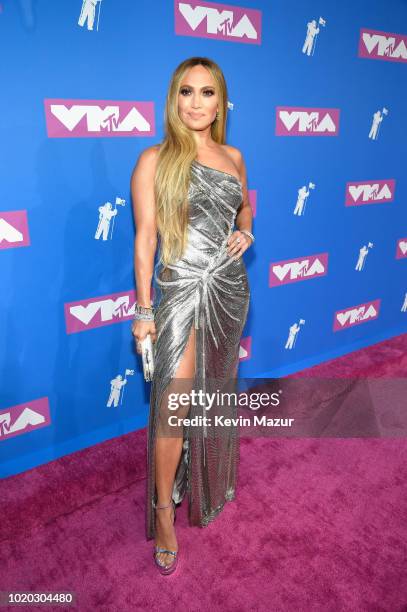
column 140, row 329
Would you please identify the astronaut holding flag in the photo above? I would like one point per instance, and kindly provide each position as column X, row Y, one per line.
column 303, row 194
column 292, row 336
column 116, row 385
column 88, row 13
column 107, row 216
column 117, row 388
column 377, row 119
column 106, row 213
column 312, row 31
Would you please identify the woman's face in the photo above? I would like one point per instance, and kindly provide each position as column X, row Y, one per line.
column 197, row 98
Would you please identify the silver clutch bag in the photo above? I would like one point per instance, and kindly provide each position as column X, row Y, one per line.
column 147, row 355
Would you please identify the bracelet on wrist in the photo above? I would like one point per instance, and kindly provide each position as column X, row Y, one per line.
column 248, row 234
column 144, row 313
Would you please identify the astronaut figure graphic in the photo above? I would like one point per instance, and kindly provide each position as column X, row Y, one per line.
column 362, row 256
column 88, row 13
column 294, row 329
column 312, row 31
column 116, row 387
column 377, row 119
column 404, row 306
column 302, row 194
column 106, row 213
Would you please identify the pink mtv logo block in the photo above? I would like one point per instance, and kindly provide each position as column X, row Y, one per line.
column 220, row 21
column 369, row 192
column 98, row 118
column 355, row 315
column 401, row 249
column 386, row 46
column 14, row 229
column 22, row 418
column 245, row 348
column 99, row 311
column 300, row 121
column 301, row 268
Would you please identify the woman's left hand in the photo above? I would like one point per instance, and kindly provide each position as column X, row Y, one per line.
column 238, row 243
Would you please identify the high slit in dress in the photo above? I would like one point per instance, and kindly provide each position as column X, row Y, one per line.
column 207, row 289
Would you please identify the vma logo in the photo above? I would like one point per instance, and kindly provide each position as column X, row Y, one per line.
column 23, row 418
column 298, row 121
column 97, row 312
column 98, row 118
column 356, row 315
column 293, row 270
column 221, row 21
column 374, row 44
column 245, row 348
column 369, row 192
column 14, row 229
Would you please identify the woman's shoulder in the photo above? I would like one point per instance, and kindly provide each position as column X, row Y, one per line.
column 233, row 152
column 150, row 153
column 147, row 160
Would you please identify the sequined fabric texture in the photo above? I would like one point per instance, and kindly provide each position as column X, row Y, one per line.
column 206, row 289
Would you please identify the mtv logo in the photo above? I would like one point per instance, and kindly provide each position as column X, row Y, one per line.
column 23, row 418
column 89, row 313
column 387, row 46
column 355, row 315
column 98, row 118
column 300, row 121
column 221, row 21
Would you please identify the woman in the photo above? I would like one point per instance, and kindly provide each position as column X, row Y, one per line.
column 192, row 207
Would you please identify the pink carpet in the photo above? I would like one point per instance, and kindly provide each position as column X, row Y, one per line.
column 317, row 524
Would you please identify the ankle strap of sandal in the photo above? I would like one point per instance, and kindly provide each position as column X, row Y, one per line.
column 159, row 507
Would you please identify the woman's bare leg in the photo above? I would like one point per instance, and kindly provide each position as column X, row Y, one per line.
column 168, row 453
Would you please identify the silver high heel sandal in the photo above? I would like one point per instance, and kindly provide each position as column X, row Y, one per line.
column 164, row 569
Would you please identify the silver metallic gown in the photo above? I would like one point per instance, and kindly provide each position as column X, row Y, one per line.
column 207, row 289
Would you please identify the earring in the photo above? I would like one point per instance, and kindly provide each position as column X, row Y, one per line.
column 217, row 115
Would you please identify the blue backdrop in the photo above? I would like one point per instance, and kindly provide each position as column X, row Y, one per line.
column 317, row 96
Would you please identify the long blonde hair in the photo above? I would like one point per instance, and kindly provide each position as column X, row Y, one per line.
column 177, row 151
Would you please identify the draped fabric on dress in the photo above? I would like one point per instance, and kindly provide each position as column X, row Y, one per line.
column 206, row 289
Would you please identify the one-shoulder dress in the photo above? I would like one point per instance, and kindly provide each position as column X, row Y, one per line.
column 207, row 289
